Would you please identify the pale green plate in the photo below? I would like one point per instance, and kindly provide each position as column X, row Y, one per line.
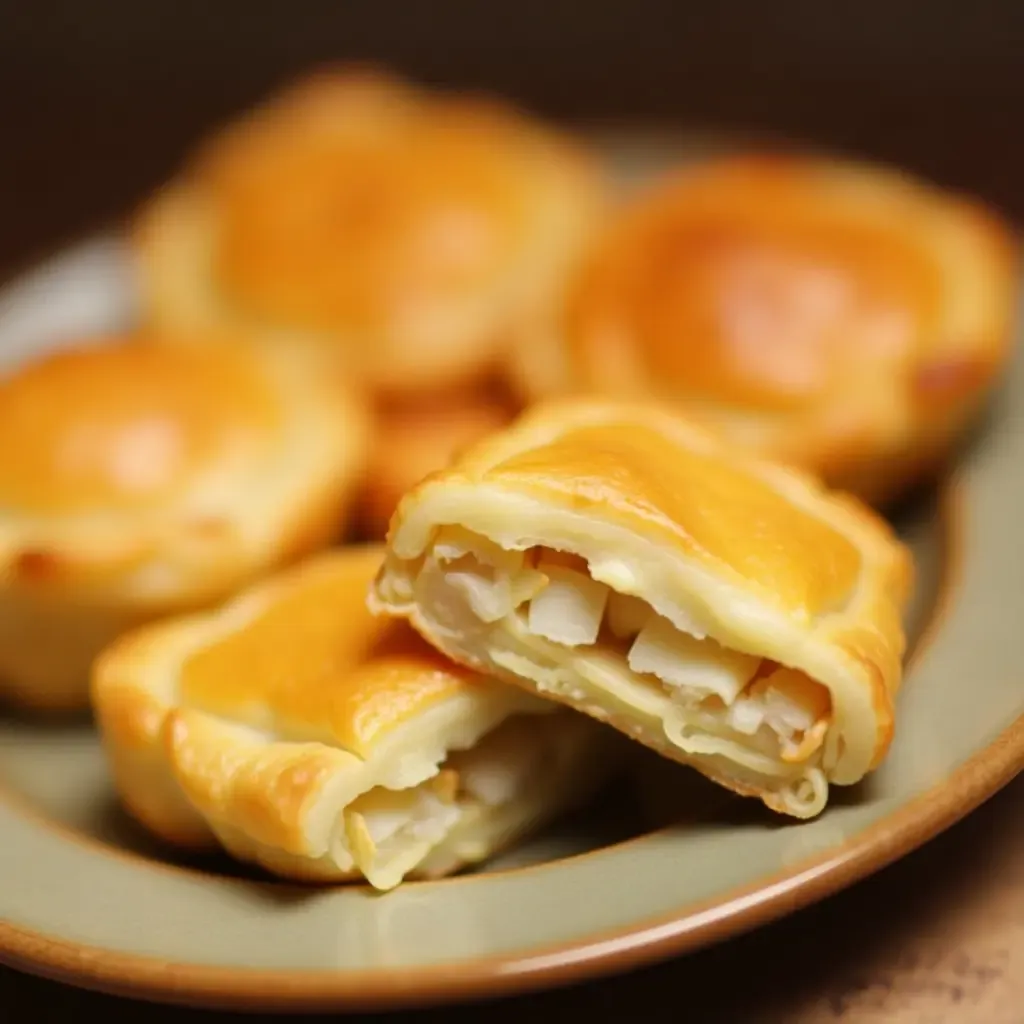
column 86, row 897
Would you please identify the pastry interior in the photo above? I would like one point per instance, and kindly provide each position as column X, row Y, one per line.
column 542, row 616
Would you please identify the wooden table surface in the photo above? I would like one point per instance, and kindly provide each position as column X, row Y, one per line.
column 97, row 102
column 937, row 938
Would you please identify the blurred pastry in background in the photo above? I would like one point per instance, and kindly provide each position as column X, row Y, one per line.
column 139, row 480
column 842, row 317
column 304, row 735
column 723, row 610
column 411, row 234
column 418, row 435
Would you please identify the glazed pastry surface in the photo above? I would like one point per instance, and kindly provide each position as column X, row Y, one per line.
column 412, row 234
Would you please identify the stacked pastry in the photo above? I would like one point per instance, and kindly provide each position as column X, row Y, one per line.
column 605, row 432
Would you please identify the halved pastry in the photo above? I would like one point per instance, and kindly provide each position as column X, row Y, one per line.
column 844, row 318
column 723, row 610
column 413, row 234
column 416, row 436
column 307, row 736
column 140, row 480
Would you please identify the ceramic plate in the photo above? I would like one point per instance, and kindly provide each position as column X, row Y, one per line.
column 664, row 864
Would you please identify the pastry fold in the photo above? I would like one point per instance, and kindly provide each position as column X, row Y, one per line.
column 141, row 480
column 303, row 734
column 723, row 610
column 843, row 317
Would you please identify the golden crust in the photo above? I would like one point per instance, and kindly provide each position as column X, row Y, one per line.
column 417, row 436
column 125, row 426
column 301, row 663
column 145, row 480
column 271, row 789
column 642, row 478
column 263, row 726
column 410, row 233
column 762, row 556
column 842, row 317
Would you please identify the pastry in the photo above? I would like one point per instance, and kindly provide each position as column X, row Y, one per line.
column 139, row 480
column 417, row 436
column 723, row 610
column 305, row 735
column 844, row 318
column 411, row 234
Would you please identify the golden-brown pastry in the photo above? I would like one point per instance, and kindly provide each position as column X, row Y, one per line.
column 309, row 737
column 413, row 234
column 721, row 609
column 416, row 436
column 845, row 318
column 138, row 480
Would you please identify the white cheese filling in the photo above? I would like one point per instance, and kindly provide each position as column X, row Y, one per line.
column 383, row 823
column 621, row 644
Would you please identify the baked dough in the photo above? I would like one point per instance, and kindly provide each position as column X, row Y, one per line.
column 416, row 436
column 139, row 480
column 723, row 610
column 842, row 317
column 307, row 736
column 413, row 234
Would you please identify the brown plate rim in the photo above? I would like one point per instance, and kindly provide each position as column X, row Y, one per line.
column 741, row 910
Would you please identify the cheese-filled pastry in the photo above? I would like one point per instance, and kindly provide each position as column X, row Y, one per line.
column 414, row 234
column 721, row 609
column 307, row 736
column 138, row 480
column 846, row 318
column 416, row 436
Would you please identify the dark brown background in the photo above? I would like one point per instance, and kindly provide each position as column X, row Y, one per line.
column 98, row 100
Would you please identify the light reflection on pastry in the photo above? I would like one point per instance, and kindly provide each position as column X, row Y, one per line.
column 418, row 436
column 307, row 736
column 412, row 233
column 846, row 318
column 138, row 480
column 725, row 611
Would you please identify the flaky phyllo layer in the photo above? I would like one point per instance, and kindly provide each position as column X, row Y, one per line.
column 579, row 634
column 424, row 808
column 725, row 611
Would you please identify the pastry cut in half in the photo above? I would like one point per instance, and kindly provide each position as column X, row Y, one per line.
column 411, row 233
column 140, row 480
column 305, row 735
column 843, row 317
column 723, row 610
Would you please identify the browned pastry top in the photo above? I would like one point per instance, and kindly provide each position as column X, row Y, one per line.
column 125, row 425
column 753, row 282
